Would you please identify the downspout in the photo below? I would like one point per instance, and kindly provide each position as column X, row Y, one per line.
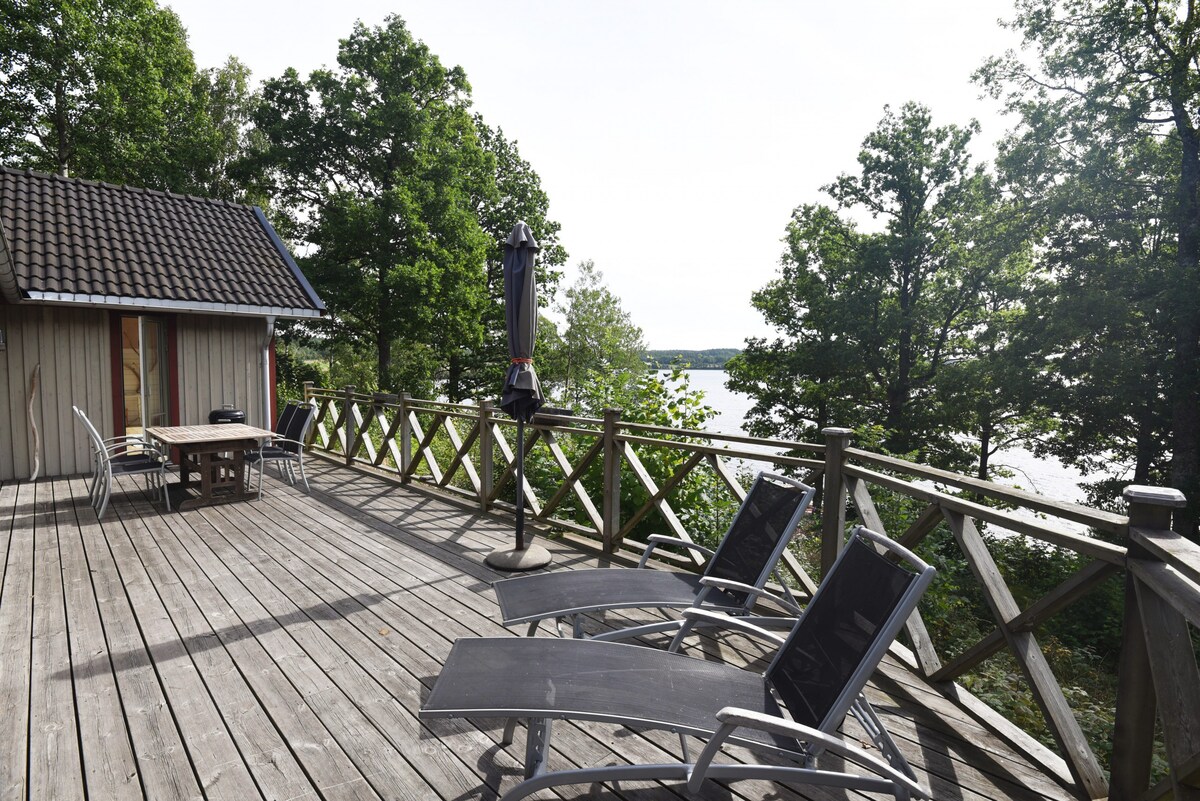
column 266, row 369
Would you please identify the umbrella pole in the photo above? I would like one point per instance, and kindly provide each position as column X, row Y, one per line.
column 520, row 484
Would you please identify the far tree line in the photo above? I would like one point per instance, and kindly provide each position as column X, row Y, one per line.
column 1049, row 299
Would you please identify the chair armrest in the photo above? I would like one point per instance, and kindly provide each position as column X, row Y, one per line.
column 758, row 592
column 114, row 450
column 655, row 540
column 736, row 586
column 733, row 717
column 739, row 624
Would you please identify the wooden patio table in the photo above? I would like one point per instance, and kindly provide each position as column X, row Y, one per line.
column 218, row 453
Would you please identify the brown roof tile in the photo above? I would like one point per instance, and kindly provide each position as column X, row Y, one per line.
column 66, row 235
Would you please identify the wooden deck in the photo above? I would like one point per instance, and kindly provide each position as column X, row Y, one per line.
column 281, row 649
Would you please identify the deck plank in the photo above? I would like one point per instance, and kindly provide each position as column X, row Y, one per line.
column 158, row 746
column 274, row 767
column 281, row 649
column 332, row 775
column 55, row 767
column 16, row 641
column 109, row 767
column 215, row 759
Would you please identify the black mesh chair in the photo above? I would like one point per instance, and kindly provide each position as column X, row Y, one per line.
column 791, row 714
column 734, row 579
column 286, row 448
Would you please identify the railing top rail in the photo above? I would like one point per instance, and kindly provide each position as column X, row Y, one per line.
column 1090, row 546
column 1171, row 548
column 645, row 428
column 1086, row 515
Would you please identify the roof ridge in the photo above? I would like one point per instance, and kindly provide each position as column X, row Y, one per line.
column 74, row 179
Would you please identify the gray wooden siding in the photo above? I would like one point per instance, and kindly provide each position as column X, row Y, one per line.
column 220, row 361
column 72, row 347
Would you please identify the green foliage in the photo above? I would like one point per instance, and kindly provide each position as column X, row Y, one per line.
column 875, row 329
column 596, row 360
column 109, row 91
column 377, row 166
column 479, row 372
column 1107, row 158
column 702, row 503
column 711, row 359
column 291, row 371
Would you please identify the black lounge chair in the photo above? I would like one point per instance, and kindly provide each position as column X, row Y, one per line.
column 734, row 580
column 286, row 447
column 793, row 710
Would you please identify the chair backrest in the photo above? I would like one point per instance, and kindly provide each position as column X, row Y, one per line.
column 760, row 530
column 93, row 434
column 297, row 425
column 846, row 629
column 285, row 419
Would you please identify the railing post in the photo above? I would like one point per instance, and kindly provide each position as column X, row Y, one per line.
column 405, row 437
column 312, row 430
column 1137, row 702
column 486, row 455
column 610, row 505
column 348, row 419
column 833, row 502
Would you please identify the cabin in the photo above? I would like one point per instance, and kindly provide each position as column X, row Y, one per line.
column 141, row 307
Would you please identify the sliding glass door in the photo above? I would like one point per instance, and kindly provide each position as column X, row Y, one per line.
column 144, row 371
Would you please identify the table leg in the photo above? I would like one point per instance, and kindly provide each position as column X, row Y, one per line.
column 206, row 477
column 239, row 473
column 184, row 461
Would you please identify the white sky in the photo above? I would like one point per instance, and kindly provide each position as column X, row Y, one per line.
column 673, row 137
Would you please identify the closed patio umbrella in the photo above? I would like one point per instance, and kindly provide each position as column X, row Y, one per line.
column 522, row 395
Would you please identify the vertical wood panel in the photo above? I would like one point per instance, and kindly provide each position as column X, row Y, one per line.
column 7, row 428
column 218, row 364
column 72, row 348
column 56, row 330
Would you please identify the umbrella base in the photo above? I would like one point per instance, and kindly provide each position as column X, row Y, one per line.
column 531, row 557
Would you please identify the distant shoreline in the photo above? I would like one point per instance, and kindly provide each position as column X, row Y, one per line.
column 709, row 359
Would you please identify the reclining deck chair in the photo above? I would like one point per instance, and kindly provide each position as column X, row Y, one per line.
column 816, row 677
column 733, row 581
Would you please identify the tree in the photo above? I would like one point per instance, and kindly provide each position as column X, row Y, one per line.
column 479, row 372
column 378, row 168
column 107, row 91
column 1107, row 75
column 599, row 339
column 871, row 322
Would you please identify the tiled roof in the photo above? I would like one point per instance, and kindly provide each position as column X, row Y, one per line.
column 70, row 240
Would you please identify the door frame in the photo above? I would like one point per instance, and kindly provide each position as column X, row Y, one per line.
column 118, row 365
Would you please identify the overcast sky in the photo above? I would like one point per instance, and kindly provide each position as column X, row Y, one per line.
column 673, row 138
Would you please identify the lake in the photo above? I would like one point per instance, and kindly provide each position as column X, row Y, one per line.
column 1048, row 477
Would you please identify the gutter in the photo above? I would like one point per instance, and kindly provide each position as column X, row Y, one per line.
column 204, row 307
column 266, row 371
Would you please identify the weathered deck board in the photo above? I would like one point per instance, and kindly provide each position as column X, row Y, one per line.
column 16, row 640
column 281, row 649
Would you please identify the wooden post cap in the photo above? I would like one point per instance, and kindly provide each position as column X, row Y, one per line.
column 834, row 431
column 1154, row 496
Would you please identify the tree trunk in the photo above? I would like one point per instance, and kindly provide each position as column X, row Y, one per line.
column 383, row 348
column 1185, row 461
column 985, row 445
column 454, row 376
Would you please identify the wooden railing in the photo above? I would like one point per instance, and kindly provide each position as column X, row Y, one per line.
column 589, row 464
